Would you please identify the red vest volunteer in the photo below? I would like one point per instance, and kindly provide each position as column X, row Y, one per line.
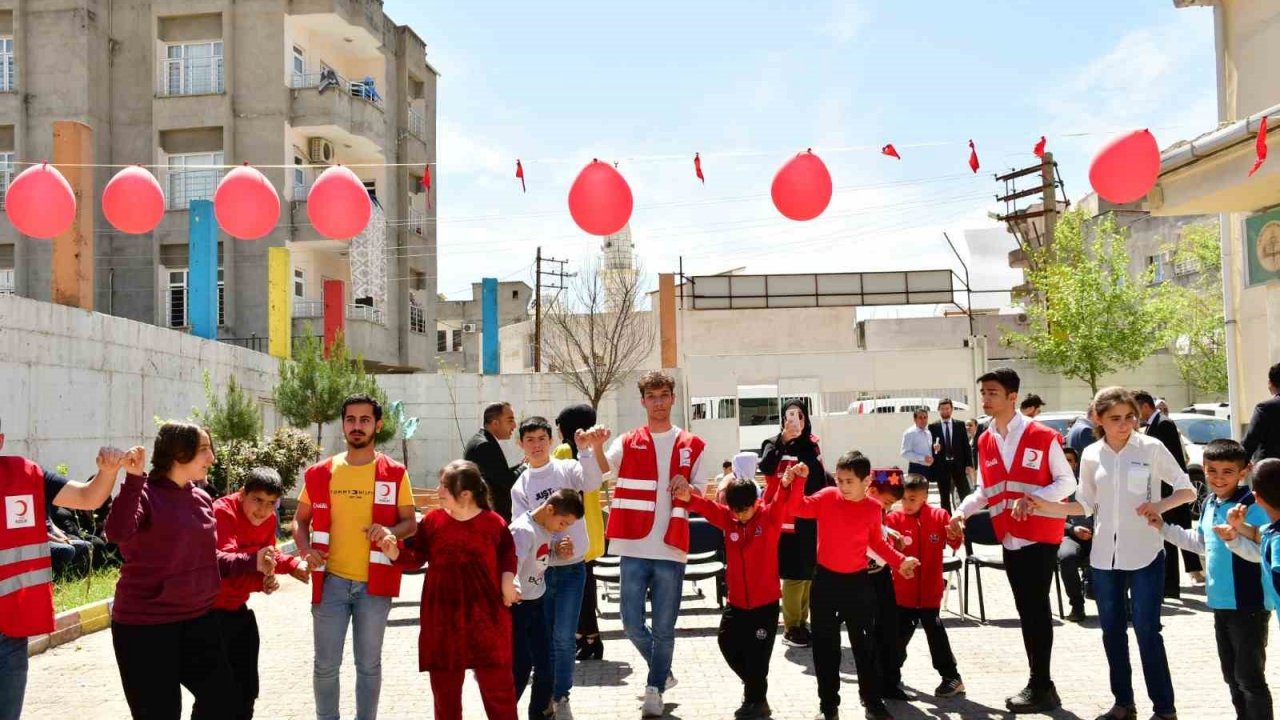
column 635, row 494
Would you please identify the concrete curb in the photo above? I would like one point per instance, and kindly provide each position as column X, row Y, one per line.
column 73, row 624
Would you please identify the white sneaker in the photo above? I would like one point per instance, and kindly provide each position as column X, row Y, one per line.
column 671, row 680
column 563, row 711
column 652, row 706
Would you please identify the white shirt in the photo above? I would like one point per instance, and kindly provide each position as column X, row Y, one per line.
column 917, row 444
column 535, row 485
column 1112, row 486
column 1064, row 481
column 533, row 550
column 651, row 546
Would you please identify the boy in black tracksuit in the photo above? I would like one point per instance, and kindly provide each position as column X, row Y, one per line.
column 887, row 491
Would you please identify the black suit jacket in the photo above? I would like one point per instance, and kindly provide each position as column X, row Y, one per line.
column 959, row 450
column 483, row 450
column 1263, row 439
column 1166, row 431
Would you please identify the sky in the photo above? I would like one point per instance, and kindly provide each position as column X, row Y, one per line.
column 749, row 83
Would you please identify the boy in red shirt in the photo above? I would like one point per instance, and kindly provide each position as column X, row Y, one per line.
column 246, row 523
column 886, row 489
column 924, row 532
column 751, row 528
column 849, row 524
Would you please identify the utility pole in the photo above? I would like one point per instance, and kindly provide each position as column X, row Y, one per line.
column 1032, row 228
column 559, row 275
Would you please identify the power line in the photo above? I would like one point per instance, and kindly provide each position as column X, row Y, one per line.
column 559, row 274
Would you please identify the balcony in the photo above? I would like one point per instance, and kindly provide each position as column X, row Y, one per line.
column 309, row 309
column 418, row 125
column 367, row 334
column 362, row 21
column 348, row 112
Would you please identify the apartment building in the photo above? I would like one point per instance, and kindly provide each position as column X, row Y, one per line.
column 183, row 84
column 460, row 323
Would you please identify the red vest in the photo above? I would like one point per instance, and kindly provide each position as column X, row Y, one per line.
column 1005, row 486
column 384, row 575
column 26, row 575
column 635, row 493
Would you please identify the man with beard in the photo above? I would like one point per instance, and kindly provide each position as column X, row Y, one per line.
column 352, row 501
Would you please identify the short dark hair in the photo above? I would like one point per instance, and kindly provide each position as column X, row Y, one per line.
column 1006, row 377
column 493, row 411
column 856, row 463
column 176, row 443
column 1226, row 450
column 1072, row 452
column 1266, row 481
column 741, row 494
column 656, row 380
column 534, row 424
column 362, row 399
column 920, row 411
column 915, row 481
column 567, row 501
column 1030, row 401
column 1274, row 375
column 726, row 464
column 1142, row 397
column 264, row 479
column 945, row 401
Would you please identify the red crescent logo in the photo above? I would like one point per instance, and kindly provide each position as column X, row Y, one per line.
column 25, row 508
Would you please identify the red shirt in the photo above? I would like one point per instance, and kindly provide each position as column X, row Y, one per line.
column 846, row 530
column 751, row 549
column 238, row 544
column 927, row 531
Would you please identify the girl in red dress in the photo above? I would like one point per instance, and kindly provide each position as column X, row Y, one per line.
column 469, row 586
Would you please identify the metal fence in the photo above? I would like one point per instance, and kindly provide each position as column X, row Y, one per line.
column 192, row 76
column 315, row 309
column 326, row 80
column 417, row 125
column 187, row 185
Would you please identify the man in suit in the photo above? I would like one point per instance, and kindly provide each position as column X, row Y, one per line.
column 483, row 450
column 950, row 455
column 1263, row 439
column 1157, row 425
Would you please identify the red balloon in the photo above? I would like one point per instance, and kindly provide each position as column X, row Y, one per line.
column 1126, row 168
column 245, row 204
column 802, row 188
column 600, row 200
column 133, row 201
column 40, row 202
column 338, row 204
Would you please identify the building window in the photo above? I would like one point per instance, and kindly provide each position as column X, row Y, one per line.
column 6, row 65
column 1156, row 263
column 299, row 283
column 176, row 298
column 299, row 178
column 6, row 175
column 193, row 68
column 299, row 65
column 442, row 341
column 192, row 176
column 6, row 281
column 457, row 340
column 417, row 317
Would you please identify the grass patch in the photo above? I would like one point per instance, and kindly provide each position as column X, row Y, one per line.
column 99, row 585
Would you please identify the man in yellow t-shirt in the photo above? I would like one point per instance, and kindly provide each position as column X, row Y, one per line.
column 346, row 600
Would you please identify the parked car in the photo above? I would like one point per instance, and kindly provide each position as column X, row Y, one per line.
column 1198, row 429
column 1060, row 420
column 1221, row 410
column 899, row 405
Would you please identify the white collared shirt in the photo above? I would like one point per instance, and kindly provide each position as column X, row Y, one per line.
column 1112, row 486
column 1064, row 481
column 917, row 444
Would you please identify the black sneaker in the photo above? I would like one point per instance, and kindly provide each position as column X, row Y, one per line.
column 797, row 637
column 1077, row 614
column 1119, row 712
column 897, row 693
column 1034, row 701
column 878, row 712
column 950, row 687
column 753, row 710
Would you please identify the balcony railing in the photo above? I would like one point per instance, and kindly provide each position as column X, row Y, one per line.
column 187, row 185
column 418, row 125
column 326, row 80
column 263, row 344
column 306, row 309
column 192, row 76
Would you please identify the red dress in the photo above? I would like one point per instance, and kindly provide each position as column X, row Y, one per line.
column 464, row 623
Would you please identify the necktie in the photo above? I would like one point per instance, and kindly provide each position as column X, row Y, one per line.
column 946, row 435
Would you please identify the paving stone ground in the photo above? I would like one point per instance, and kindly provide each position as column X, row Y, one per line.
column 79, row 680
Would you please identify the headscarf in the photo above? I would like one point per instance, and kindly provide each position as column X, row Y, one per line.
column 575, row 418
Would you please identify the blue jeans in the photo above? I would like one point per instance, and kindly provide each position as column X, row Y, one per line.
column 13, row 676
column 561, row 605
column 346, row 603
column 664, row 578
column 1146, row 586
column 531, row 654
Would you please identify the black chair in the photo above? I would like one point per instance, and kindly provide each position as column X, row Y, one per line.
column 706, row 556
column 979, row 531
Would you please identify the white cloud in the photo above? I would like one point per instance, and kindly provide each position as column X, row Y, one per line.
column 847, row 19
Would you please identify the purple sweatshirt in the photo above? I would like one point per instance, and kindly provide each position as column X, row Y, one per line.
column 168, row 538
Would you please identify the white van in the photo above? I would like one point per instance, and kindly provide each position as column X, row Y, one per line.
column 899, row 405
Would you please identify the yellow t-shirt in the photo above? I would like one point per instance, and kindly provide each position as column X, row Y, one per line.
column 350, row 513
column 592, row 515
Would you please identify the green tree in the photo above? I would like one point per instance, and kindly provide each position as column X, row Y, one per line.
column 1195, row 310
column 312, row 387
column 1087, row 317
column 286, row 451
column 232, row 417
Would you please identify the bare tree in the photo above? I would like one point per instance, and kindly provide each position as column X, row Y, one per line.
column 596, row 331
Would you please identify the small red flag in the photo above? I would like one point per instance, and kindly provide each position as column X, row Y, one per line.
column 973, row 157
column 1261, row 146
column 891, row 151
column 1039, row 149
column 520, row 174
column 697, row 167
column 426, row 183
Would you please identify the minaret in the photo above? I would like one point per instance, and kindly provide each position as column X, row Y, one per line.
column 617, row 265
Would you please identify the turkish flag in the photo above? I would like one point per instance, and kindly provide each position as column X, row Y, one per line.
column 891, row 151
column 973, row 157
column 426, row 183
column 520, row 174
column 1039, row 149
column 1261, row 146
column 697, row 168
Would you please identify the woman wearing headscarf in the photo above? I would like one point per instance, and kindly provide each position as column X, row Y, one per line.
column 798, row 546
column 569, row 421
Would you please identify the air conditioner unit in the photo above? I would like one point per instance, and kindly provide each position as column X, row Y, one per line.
column 320, row 150
column 468, row 327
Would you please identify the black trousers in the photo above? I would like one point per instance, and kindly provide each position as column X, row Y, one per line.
column 844, row 600
column 531, row 654
column 948, row 474
column 156, row 661
column 1073, row 559
column 1242, row 649
column 746, row 642
column 944, row 661
column 885, row 633
column 1030, row 571
column 239, row 629
column 588, row 623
